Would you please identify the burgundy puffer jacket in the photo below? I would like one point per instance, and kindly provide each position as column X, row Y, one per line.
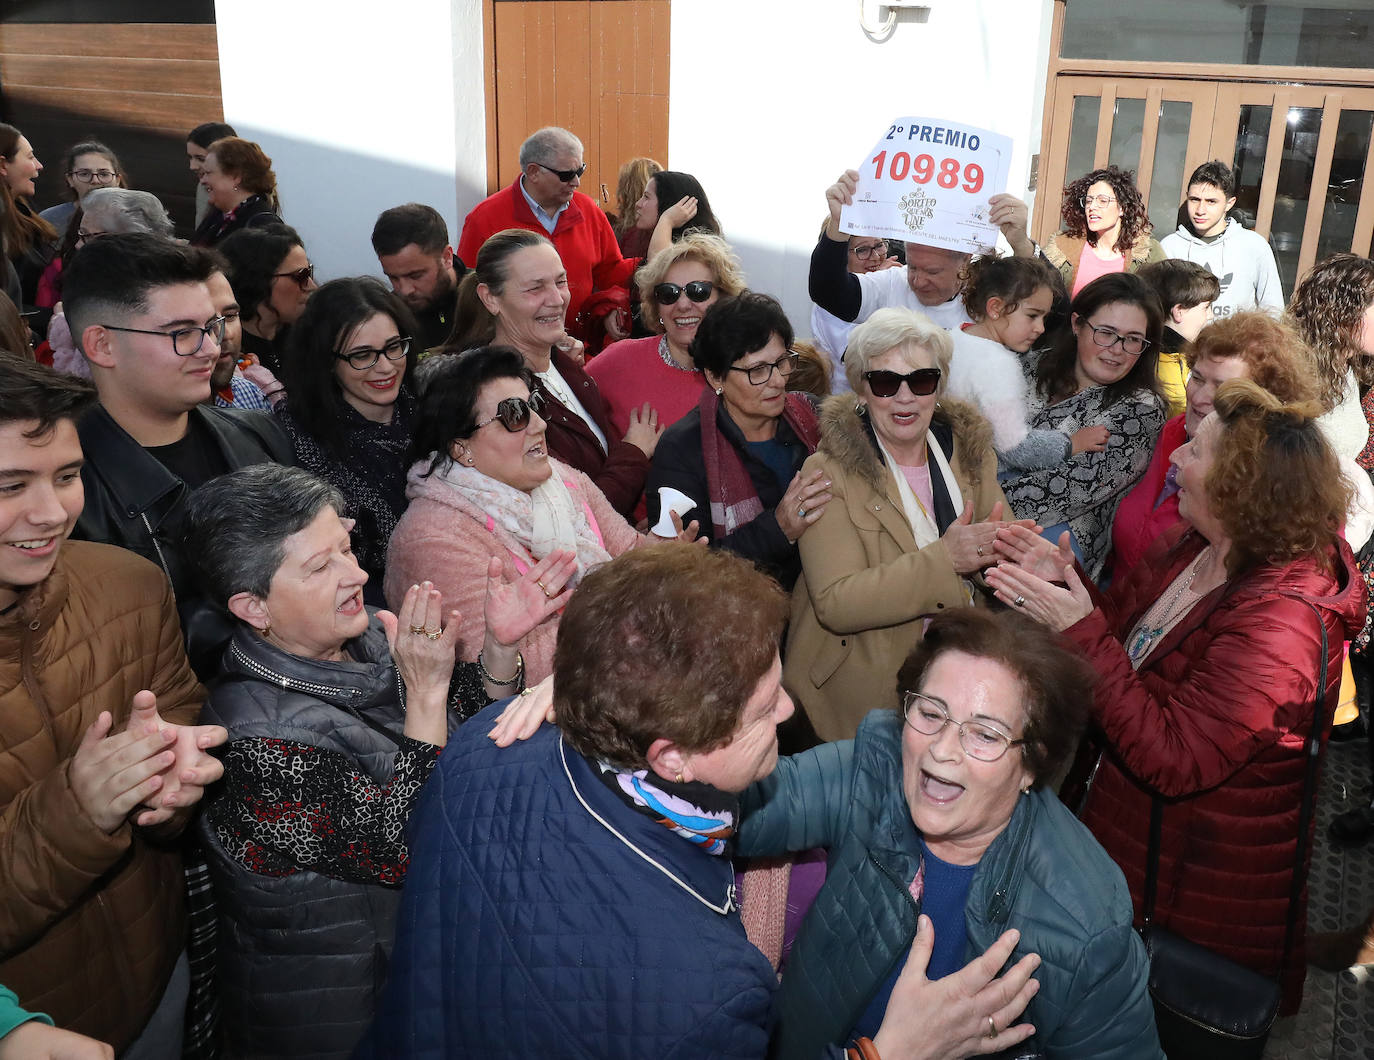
column 1214, row 722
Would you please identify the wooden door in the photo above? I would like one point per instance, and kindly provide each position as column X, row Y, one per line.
column 1160, row 129
column 596, row 67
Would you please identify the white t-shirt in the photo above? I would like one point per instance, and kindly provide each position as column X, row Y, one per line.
column 889, row 287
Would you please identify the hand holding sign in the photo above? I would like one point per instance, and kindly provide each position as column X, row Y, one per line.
column 929, row 181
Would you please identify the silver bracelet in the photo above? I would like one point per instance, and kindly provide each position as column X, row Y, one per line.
column 519, row 671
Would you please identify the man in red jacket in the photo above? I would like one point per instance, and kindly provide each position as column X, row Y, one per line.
column 545, row 199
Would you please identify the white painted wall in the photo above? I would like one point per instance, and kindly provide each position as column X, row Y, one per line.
column 770, row 102
column 362, row 106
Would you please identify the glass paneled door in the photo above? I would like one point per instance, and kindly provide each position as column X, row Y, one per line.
column 1160, row 129
column 1303, row 155
column 1302, row 161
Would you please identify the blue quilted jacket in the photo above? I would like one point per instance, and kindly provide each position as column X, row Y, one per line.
column 1044, row 875
column 541, row 916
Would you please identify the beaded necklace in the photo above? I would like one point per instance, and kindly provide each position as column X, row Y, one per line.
column 668, row 357
column 1164, row 614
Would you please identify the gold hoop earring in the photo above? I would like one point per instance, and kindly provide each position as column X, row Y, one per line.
column 860, row 408
column 678, row 778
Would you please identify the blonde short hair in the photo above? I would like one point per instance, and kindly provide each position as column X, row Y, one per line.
column 897, row 329
column 711, row 251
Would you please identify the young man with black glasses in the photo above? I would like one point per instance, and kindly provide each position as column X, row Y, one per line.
column 143, row 316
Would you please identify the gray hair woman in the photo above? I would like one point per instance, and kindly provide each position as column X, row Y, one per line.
column 103, row 212
column 336, row 716
column 114, row 211
column 916, row 509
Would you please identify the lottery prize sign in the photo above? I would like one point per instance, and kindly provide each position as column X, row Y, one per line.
column 928, row 181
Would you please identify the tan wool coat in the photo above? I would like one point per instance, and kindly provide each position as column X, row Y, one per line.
column 866, row 590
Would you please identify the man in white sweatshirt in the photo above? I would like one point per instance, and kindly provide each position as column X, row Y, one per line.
column 1239, row 258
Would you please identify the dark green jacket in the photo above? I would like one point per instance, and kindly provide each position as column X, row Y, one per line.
column 1044, row 875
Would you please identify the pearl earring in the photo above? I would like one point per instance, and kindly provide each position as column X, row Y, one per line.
column 720, row 390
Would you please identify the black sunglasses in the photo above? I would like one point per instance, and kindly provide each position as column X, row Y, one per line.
column 565, row 175
column 514, row 413
column 301, row 277
column 923, row 381
column 697, row 291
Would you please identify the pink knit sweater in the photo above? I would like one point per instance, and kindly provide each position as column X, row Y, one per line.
column 443, row 538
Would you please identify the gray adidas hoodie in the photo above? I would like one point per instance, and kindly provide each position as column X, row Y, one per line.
column 1240, row 259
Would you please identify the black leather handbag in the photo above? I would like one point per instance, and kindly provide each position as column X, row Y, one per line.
column 1206, row 1006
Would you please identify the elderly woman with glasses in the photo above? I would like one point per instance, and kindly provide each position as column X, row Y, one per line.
column 350, row 410
column 737, row 456
column 942, row 835
column 678, row 284
column 1100, row 370
column 336, row 717
column 916, row 508
column 485, row 492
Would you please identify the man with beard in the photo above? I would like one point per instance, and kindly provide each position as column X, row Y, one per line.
column 229, row 387
column 411, row 243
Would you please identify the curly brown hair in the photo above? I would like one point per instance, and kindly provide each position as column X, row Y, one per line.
column 664, row 643
column 1274, row 485
column 1057, row 684
column 1327, row 308
column 1135, row 221
column 1274, row 354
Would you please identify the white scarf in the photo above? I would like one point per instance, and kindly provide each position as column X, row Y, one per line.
column 542, row 520
column 923, row 526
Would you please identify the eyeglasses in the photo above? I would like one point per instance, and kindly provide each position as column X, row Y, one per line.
column 301, row 277
column 1096, row 200
column 866, row 252
column 83, row 237
column 697, row 291
column 93, row 176
column 186, row 342
column 921, row 382
column 1108, row 337
column 514, row 413
column 979, row 739
column 565, row 175
column 364, row 357
column 763, row 371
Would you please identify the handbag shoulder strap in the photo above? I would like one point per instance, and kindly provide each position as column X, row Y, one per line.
column 1312, row 759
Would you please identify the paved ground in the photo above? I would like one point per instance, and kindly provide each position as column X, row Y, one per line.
column 1337, row 1017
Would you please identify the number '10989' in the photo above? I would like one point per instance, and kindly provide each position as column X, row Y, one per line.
column 921, row 168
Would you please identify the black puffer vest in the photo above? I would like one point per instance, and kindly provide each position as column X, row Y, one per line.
column 303, row 957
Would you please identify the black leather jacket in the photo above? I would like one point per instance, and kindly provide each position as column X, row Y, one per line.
column 133, row 501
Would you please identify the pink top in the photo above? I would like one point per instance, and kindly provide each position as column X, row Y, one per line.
column 1090, row 267
column 631, row 372
column 918, row 478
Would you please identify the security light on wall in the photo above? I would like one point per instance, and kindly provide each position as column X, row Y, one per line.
column 889, row 13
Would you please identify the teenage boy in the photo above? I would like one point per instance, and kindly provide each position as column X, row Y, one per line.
column 100, row 762
column 1240, row 259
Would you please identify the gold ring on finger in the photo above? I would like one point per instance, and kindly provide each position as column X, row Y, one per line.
column 433, row 634
column 980, row 550
column 417, row 629
column 1020, row 601
column 992, row 1028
